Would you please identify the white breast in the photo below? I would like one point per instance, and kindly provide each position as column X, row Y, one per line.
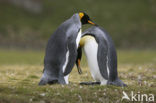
column 64, row 66
column 91, row 49
column 78, row 38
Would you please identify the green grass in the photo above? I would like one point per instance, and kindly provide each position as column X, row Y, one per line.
column 36, row 57
column 8, row 57
column 137, row 56
column 20, row 72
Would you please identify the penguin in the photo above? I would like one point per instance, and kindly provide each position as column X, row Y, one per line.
column 101, row 57
column 61, row 50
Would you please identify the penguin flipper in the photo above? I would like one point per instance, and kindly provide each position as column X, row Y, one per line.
column 72, row 57
column 102, row 58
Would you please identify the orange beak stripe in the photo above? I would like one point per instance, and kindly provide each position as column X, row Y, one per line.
column 90, row 22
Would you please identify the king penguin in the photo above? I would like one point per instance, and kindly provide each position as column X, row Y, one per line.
column 101, row 56
column 61, row 50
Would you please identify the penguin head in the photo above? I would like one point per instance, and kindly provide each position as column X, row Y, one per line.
column 85, row 19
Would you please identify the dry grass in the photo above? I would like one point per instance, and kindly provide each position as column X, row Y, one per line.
column 19, row 84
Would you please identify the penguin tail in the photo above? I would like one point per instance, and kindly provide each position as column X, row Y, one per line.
column 117, row 82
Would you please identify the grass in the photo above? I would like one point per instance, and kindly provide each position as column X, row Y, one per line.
column 20, row 72
column 9, row 57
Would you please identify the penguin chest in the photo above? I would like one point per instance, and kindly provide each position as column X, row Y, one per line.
column 78, row 38
column 91, row 50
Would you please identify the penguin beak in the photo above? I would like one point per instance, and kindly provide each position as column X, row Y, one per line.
column 91, row 22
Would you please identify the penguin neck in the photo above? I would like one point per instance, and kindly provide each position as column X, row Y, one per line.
column 86, row 39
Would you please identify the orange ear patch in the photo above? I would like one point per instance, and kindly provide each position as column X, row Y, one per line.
column 81, row 15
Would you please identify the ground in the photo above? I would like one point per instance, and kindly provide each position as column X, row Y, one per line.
column 20, row 72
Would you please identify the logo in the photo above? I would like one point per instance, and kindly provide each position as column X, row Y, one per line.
column 125, row 96
column 138, row 97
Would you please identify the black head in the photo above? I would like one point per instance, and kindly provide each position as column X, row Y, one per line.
column 85, row 18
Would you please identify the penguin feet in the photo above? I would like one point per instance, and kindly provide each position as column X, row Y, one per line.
column 90, row 83
column 47, row 80
column 51, row 80
column 44, row 82
column 117, row 82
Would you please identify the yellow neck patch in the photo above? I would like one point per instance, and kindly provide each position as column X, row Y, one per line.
column 81, row 15
column 85, row 39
